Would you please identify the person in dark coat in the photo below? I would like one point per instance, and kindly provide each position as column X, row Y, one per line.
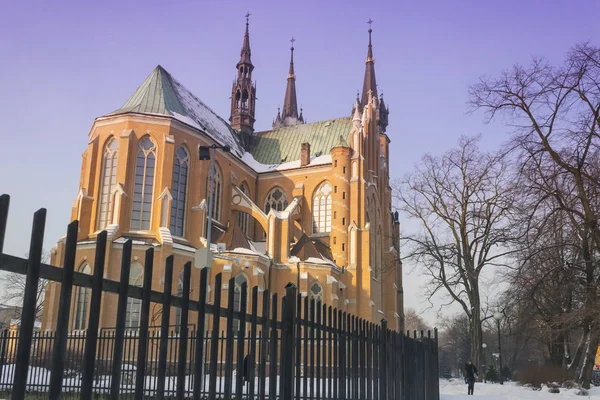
column 249, row 367
column 470, row 374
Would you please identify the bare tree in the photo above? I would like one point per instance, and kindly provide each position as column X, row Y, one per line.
column 556, row 115
column 461, row 202
column 14, row 289
column 414, row 322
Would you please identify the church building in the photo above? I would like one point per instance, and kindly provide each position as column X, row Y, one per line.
column 307, row 203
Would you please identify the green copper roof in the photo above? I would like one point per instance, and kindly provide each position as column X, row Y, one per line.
column 283, row 144
column 162, row 94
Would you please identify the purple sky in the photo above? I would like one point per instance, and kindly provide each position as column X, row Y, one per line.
column 64, row 63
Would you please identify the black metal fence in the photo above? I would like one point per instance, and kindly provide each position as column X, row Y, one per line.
column 291, row 348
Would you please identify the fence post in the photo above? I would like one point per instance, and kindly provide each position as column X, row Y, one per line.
column 262, row 366
column 229, row 339
column 29, row 303
column 140, row 372
column 383, row 362
column 4, row 203
column 214, row 338
column 437, row 364
column 120, row 325
column 199, row 366
column 164, row 328
column 64, row 308
column 274, row 341
column 93, row 318
column 287, row 353
column 183, row 330
column 239, row 377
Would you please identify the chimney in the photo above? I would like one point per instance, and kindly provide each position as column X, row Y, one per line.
column 305, row 154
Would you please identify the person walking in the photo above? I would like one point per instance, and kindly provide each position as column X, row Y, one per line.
column 470, row 374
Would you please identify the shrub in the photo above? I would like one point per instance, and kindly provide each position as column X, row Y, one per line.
column 537, row 375
column 492, row 375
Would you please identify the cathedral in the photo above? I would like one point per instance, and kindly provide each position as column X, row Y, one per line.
column 307, row 203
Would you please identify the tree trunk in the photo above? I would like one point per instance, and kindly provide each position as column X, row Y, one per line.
column 576, row 358
column 476, row 335
column 590, row 357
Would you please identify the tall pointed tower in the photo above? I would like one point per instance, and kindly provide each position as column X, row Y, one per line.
column 369, row 83
column 289, row 116
column 243, row 91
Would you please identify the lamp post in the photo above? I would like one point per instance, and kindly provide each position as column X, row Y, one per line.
column 498, row 317
column 484, row 363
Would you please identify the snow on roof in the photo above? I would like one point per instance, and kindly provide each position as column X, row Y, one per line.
column 249, row 160
column 162, row 94
column 204, row 118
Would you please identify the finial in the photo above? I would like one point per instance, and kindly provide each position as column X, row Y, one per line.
column 292, row 40
column 370, row 21
column 248, row 18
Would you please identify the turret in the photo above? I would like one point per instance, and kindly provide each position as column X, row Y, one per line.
column 243, row 91
column 289, row 114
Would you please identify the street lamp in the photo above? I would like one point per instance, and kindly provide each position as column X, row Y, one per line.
column 484, row 363
column 498, row 317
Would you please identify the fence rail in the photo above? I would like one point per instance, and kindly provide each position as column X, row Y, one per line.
column 291, row 348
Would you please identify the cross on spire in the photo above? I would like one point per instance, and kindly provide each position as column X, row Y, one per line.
column 370, row 21
column 292, row 40
column 248, row 17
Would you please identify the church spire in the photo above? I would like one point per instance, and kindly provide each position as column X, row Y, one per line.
column 289, row 115
column 369, row 84
column 245, row 53
column 243, row 91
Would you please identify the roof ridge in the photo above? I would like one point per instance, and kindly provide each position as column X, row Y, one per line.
column 299, row 126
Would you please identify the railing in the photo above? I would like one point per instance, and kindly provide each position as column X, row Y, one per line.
column 290, row 349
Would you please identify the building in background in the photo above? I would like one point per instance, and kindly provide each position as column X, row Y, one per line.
column 308, row 203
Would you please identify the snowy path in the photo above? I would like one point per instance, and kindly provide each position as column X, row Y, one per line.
column 457, row 390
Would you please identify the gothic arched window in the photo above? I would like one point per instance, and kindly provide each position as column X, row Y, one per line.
column 143, row 192
column 81, row 302
column 322, row 209
column 217, row 188
column 107, row 184
column 237, row 298
column 180, row 177
column 134, row 306
column 316, row 292
column 276, row 200
column 243, row 219
column 178, row 312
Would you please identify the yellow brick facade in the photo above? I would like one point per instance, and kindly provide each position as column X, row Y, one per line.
column 363, row 276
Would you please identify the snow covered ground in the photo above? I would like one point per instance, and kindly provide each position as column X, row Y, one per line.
column 457, row 390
